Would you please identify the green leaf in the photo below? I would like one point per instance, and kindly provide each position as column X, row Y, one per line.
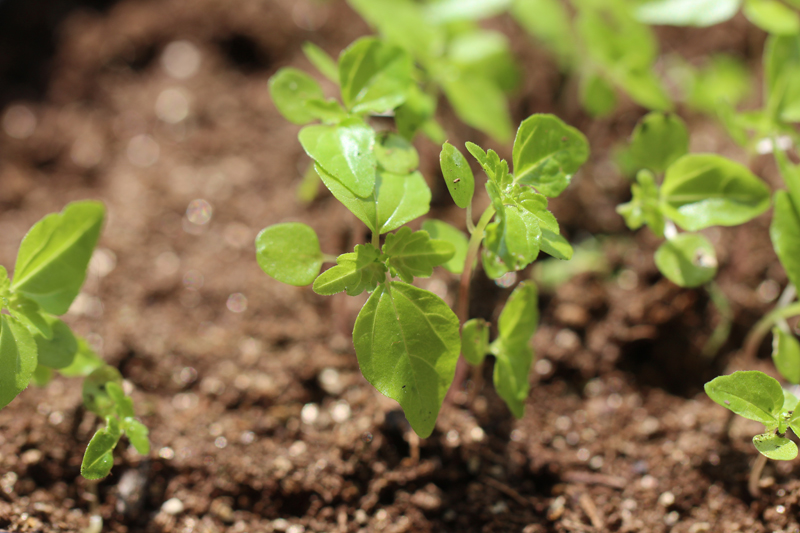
column 516, row 326
column 785, row 234
column 444, row 231
column 775, row 447
column 616, row 41
column 374, row 76
column 85, row 362
column 475, row 340
column 416, row 111
column 549, row 22
column 751, row 394
column 53, row 257
column 790, row 401
column 658, row 140
column 95, row 396
column 42, row 376
column 772, row 17
column 687, row 12
column 354, row 272
column 478, row 102
column 395, row 154
column 402, row 22
column 407, row 343
column 547, row 153
column 536, row 204
column 98, row 458
column 396, row 199
column 487, row 54
column 138, row 435
column 515, row 237
column 446, row 11
column 457, row 175
column 643, row 207
column 645, row 88
column 124, row 404
column 414, row 254
column 320, row 59
column 782, row 77
column 289, row 252
column 28, row 312
column 478, row 153
column 59, row 350
column 786, row 355
column 702, row 190
column 493, row 265
column 344, row 151
column 290, row 89
column 597, row 96
column 724, row 81
column 687, row 260
column 328, row 111
column 17, row 358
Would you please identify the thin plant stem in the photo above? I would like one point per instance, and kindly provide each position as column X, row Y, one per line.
column 462, row 309
column 755, row 476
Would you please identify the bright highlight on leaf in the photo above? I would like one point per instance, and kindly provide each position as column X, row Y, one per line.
column 687, row 260
column 775, row 447
column 290, row 253
column 751, row 394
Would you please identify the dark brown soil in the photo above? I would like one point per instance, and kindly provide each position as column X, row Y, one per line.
column 259, row 417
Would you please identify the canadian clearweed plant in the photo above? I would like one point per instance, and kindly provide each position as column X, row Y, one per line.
column 407, row 339
column 49, row 272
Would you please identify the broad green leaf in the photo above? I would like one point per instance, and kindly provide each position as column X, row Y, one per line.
column 290, row 89
column 95, row 397
column 547, row 153
column 520, row 316
column 687, row 12
column 785, row 234
column 407, row 343
column 138, row 435
column 99, row 458
column 395, row 200
column 374, row 76
column 493, row 265
column 53, row 257
column 59, row 350
column 444, row 231
column 402, row 23
column 643, row 207
column 775, row 447
column 751, row 394
column 289, row 252
column 597, row 95
column 773, row 17
column 658, row 140
column 478, row 102
column 516, row 326
column 354, row 272
column 414, row 254
column 549, row 22
column 687, row 260
column 328, row 111
column 486, row 54
column 475, row 341
column 445, row 11
column 536, row 204
column 42, row 376
column 416, row 111
column 782, row 77
column 344, row 151
column 478, row 153
column 395, row 154
column 17, row 358
column 85, row 362
column 28, row 312
column 457, row 175
column 320, row 59
column 555, row 245
column 702, row 190
column 786, row 355
column 515, row 237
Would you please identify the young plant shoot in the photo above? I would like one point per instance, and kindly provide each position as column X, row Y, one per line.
column 49, row 272
column 407, row 339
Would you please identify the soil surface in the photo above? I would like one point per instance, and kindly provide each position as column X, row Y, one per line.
column 260, row 420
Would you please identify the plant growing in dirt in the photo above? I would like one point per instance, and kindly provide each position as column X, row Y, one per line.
column 49, row 272
column 407, row 339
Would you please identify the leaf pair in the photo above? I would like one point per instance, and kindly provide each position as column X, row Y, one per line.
column 514, row 356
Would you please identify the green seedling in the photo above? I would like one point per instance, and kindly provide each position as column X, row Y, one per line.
column 49, row 272
column 407, row 339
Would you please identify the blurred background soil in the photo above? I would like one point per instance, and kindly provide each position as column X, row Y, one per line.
column 259, row 417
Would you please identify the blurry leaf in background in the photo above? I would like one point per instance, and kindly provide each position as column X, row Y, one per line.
column 486, row 54
column 782, row 77
column 95, row 396
column 687, row 260
column 308, row 188
column 786, row 354
column 443, row 11
column 290, row 253
column 395, row 154
column 444, row 231
column 85, row 361
column 415, row 112
column 548, row 21
column 658, row 140
column 687, row 12
column 320, row 59
column 589, row 256
column 403, row 23
column 723, row 80
column 478, row 102
column 643, row 207
column 374, row 76
column 772, row 16
column 17, row 358
column 775, row 447
column 597, row 96
column 702, row 190
column 785, row 234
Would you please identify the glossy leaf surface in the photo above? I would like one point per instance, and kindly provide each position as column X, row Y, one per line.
column 54, row 255
column 374, row 76
column 413, row 254
column 775, row 447
column 444, row 231
column 17, row 358
column 687, row 260
column 547, row 153
column 289, row 252
column 407, row 342
column 751, row 394
column 457, row 175
column 98, row 458
column 702, row 190
column 290, row 89
column 786, row 355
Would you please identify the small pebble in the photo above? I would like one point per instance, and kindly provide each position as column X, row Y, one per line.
column 666, row 499
column 172, row 506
